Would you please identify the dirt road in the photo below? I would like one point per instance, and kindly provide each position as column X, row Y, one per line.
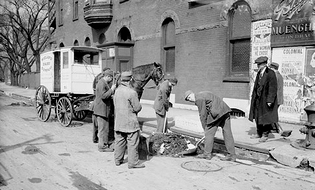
column 46, row 156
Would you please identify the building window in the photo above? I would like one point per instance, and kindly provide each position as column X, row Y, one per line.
column 124, row 35
column 87, row 41
column 75, row 10
column 239, row 42
column 101, row 38
column 60, row 13
column 168, row 46
column 75, row 43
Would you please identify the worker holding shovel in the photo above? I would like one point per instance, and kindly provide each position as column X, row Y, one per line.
column 162, row 104
column 214, row 113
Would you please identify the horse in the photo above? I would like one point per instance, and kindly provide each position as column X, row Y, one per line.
column 141, row 75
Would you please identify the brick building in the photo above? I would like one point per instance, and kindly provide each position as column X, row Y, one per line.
column 206, row 44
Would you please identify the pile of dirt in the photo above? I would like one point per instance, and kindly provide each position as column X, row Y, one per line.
column 169, row 144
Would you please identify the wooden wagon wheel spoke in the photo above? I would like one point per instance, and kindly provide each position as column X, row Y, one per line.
column 64, row 111
column 79, row 115
column 43, row 103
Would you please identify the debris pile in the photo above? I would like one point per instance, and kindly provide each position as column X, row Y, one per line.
column 305, row 165
column 168, row 144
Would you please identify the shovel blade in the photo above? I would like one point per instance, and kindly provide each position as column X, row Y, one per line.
column 189, row 151
column 286, row 133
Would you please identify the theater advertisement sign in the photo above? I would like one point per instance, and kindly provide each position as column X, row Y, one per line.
column 292, row 42
column 292, row 23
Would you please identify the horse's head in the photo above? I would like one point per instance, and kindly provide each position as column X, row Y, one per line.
column 157, row 73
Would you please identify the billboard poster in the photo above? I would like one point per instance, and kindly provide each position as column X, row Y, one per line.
column 261, row 32
column 292, row 23
column 291, row 62
column 309, row 77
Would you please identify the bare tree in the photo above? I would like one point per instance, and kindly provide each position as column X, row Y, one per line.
column 23, row 34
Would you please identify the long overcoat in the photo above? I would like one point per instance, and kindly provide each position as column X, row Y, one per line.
column 279, row 87
column 264, row 91
column 103, row 101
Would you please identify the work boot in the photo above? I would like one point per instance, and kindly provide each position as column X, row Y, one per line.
column 263, row 139
column 118, row 163
column 137, row 166
column 106, row 148
column 229, row 158
column 255, row 136
column 205, row 156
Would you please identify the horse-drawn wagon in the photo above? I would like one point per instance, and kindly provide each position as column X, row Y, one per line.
column 68, row 78
column 66, row 81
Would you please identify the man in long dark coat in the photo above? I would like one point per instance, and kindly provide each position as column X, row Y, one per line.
column 102, row 106
column 264, row 103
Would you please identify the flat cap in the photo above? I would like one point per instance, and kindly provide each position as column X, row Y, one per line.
column 262, row 59
column 126, row 75
column 187, row 93
column 108, row 72
column 274, row 65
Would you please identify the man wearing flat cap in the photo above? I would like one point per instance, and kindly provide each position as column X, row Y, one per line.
column 127, row 129
column 102, row 111
column 275, row 66
column 162, row 103
column 214, row 113
column 264, row 103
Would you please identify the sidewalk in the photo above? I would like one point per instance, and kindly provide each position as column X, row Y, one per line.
column 187, row 122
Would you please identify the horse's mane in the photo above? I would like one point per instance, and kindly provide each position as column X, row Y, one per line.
column 142, row 68
column 142, row 71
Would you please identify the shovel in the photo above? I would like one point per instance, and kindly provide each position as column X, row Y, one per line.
column 193, row 149
column 285, row 133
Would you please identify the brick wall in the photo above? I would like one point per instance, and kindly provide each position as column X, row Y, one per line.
column 201, row 35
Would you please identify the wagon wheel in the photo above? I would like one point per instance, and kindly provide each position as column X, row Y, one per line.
column 79, row 115
column 43, row 103
column 64, row 111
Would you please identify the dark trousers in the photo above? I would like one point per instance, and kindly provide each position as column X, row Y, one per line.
column 160, row 122
column 263, row 130
column 225, row 123
column 101, row 131
column 130, row 141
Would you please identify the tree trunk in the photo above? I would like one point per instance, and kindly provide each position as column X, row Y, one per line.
column 38, row 63
column 14, row 78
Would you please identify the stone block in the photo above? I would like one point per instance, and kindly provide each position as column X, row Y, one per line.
column 189, row 122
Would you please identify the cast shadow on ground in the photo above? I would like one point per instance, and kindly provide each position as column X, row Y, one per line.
column 47, row 138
